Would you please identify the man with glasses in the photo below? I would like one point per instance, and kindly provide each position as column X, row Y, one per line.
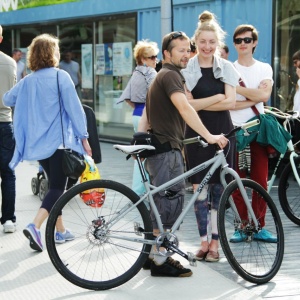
column 167, row 109
column 254, row 90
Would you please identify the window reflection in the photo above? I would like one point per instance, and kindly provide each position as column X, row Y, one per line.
column 286, row 44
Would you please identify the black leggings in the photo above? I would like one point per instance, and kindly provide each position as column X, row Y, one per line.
column 56, row 178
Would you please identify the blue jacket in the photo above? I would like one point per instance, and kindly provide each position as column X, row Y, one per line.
column 37, row 118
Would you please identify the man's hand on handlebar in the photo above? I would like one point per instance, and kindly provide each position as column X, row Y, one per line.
column 221, row 140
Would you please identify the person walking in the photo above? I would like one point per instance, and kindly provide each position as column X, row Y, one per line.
column 167, row 109
column 21, row 68
column 41, row 118
column 145, row 55
column 72, row 67
column 254, row 90
column 210, row 82
column 8, row 71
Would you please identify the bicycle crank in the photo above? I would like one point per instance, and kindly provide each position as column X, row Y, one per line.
column 170, row 242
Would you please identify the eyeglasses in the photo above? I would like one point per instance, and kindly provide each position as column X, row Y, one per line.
column 247, row 40
column 153, row 57
column 173, row 36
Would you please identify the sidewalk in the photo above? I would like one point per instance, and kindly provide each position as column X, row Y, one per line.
column 25, row 274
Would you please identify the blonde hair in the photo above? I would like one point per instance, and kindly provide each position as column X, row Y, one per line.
column 41, row 52
column 208, row 22
column 1, row 30
column 143, row 49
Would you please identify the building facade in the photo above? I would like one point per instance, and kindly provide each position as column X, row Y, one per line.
column 102, row 34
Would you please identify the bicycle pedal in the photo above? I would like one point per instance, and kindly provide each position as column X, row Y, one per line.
column 192, row 259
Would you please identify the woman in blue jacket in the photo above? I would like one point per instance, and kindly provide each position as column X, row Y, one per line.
column 39, row 128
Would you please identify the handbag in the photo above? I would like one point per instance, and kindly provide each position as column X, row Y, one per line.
column 72, row 163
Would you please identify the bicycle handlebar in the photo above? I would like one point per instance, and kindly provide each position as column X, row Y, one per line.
column 227, row 135
column 280, row 114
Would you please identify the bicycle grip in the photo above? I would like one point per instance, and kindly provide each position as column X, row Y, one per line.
column 250, row 124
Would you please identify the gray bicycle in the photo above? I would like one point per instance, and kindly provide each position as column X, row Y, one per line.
column 113, row 229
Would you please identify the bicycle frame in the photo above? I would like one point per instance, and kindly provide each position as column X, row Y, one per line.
column 217, row 161
column 290, row 147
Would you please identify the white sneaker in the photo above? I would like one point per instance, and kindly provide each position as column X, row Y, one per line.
column 9, row 227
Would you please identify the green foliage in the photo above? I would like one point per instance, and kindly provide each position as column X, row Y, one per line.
column 36, row 3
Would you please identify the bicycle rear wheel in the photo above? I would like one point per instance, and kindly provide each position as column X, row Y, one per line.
column 254, row 260
column 106, row 251
column 288, row 192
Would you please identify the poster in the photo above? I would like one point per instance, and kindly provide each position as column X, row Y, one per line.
column 100, row 59
column 122, row 59
column 87, row 64
column 108, row 55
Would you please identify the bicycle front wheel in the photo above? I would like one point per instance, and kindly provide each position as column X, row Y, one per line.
column 254, row 259
column 288, row 192
column 104, row 249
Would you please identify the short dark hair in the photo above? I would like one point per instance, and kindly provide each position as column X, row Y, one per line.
column 296, row 55
column 226, row 49
column 244, row 28
column 193, row 47
column 16, row 50
column 168, row 39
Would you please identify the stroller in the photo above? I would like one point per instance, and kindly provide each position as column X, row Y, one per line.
column 39, row 184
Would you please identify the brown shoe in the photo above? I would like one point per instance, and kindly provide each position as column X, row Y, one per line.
column 212, row 256
column 200, row 255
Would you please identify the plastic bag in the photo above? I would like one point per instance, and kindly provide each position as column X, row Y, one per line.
column 93, row 197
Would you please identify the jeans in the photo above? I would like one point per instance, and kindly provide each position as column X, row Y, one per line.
column 8, row 178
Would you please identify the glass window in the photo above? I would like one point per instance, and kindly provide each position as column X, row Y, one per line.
column 102, row 49
column 115, row 39
column 76, row 47
column 286, row 44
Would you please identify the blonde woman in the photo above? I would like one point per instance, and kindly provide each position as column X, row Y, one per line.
column 210, row 83
column 145, row 55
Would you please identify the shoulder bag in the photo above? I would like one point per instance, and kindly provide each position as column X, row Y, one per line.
column 73, row 163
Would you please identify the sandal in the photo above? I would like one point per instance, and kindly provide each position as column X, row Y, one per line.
column 212, row 256
column 200, row 255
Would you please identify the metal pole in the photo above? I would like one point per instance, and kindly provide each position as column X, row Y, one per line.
column 166, row 17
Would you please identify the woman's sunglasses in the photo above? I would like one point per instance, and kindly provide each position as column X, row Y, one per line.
column 153, row 57
column 247, row 40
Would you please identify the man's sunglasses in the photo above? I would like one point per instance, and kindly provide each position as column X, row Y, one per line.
column 173, row 36
column 247, row 40
column 153, row 57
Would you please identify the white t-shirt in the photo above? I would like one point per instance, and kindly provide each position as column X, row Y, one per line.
column 297, row 98
column 20, row 70
column 252, row 77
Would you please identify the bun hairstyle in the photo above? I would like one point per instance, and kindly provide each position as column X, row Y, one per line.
column 206, row 16
column 208, row 22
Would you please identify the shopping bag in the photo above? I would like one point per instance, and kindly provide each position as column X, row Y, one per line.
column 93, row 197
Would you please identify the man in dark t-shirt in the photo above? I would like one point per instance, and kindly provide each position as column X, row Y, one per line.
column 167, row 110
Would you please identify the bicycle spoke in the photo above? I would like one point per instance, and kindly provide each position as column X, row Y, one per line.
column 255, row 259
column 97, row 258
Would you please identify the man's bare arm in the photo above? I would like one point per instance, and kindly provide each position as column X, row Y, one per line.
column 144, row 123
column 257, row 95
column 191, row 117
